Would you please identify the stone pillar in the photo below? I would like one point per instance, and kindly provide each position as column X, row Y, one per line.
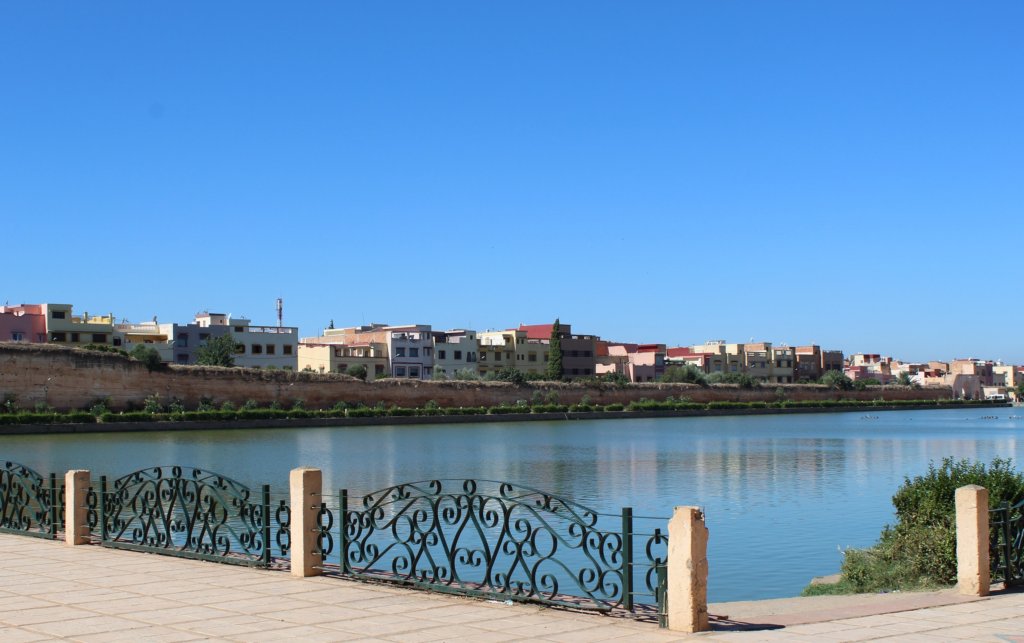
column 76, row 511
column 687, row 582
column 306, row 496
column 972, row 556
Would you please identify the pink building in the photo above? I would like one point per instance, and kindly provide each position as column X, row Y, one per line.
column 25, row 323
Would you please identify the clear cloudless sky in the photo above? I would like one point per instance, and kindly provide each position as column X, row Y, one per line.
column 844, row 173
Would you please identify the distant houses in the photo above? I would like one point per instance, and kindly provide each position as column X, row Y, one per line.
column 418, row 352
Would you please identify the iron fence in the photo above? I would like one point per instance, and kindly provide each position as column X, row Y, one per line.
column 1006, row 544
column 496, row 539
column 186, row 512
column 30, row 504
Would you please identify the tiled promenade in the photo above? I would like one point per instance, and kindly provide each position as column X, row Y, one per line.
column 50, row 591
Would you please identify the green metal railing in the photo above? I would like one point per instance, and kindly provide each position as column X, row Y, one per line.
column 29, row 503
column 499, row 540
column 472, row 537
column 186, row 512
column 1006, row 544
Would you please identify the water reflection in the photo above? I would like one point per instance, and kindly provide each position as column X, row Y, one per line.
column 781, row 493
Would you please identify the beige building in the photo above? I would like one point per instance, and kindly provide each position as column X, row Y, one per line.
column 783, row 365
column 515, row 348
column 157, row 336
column 722, row 357
column 337, row 358
column 63, row 327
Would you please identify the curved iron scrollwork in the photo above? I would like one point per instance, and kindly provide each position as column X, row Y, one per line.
column 283, row 519
column 485, row 537
column 186, row 512
column 1006, row 545
column 28, row 505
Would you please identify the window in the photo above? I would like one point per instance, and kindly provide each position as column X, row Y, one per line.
column 414, row 371
column 414, row 352
column 440, row 354
column 203, row 336
column 99, row 338
column 399, row 371
column 426, row 351
column 458, row 355
column 182, row 358
column 271, row 349
column 378, row 369
column 586, row 354
column 58, row 337
column 586, row 371
column 508, row 355
column 182, row 340
column 17, row 337
column 74, row 337
column 575, row 371
column 287, row 349
column 400, row 351
column 545, row 357
column 532, row 357
column 497, row 356
column 239, row 329
column 483, row 357
column 58, row 314
column 257, row 349
column 117, row 341
column 342, row 368
column 240, row 349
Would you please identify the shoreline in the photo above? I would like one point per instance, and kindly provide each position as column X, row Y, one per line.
column 280, row 423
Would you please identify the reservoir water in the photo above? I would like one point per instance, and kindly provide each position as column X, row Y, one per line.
column 782, row 494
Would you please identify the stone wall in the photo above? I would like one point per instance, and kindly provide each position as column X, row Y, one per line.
column 72, row 378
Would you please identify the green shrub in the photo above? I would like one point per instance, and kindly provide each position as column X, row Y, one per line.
column 613, row 407
column 919, row 551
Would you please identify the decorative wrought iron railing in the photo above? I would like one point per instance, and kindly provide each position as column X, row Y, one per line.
column 1006, row 545
column 496, row 539
column 186, row 512
column 29, row 503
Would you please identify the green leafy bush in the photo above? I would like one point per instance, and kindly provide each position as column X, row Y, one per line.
column 919, row 551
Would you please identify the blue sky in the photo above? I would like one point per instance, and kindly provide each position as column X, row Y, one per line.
column 844, row 173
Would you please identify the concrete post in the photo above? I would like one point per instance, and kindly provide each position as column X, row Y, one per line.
column 76, row 513
column 306, row 496
column 687, row 582
column 972, row 556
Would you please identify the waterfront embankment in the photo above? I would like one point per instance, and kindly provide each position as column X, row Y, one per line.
column 303, row 419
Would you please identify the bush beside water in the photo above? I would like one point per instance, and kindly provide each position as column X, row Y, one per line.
column 919, row 551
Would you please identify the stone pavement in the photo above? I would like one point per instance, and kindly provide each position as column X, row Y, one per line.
column 50, row 591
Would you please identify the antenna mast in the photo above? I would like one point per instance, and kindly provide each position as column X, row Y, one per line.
column 280, row 311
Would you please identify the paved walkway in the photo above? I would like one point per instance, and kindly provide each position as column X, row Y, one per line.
column 50, row 591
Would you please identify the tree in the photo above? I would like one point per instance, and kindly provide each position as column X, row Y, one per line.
column 688, row 373
column 555, row 352
column 837, row 380
column 217, row 351
column 509, row 374
column 904, row 379
column 357, row 371
column 148, row 356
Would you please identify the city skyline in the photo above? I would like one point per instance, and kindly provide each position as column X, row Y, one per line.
column 842, row 174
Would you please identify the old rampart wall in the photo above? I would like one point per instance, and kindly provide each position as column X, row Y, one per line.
column 72, row 378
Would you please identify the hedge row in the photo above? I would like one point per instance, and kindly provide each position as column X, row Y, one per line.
column 365, row 411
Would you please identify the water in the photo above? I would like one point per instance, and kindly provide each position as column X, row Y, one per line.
column 782, row 494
